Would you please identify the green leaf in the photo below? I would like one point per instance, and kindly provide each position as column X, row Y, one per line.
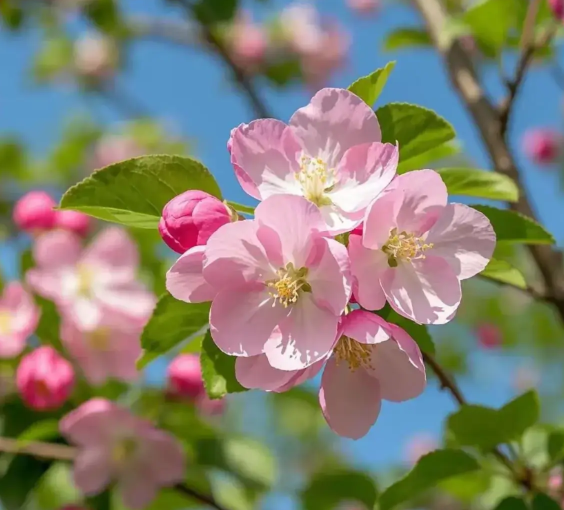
column 429, row 158
column 218, row 370
column 555, row 445
column 406, row 38
column 543, row 501
column 241, row 208
column 479, row 183
column 39, row 431
column 502, row 271
column 172, row 322
column 485, row 428
column 56, row 489
column 512, row 503
column 418, row 332
column 232, row 494
column 369, row 88
column 327, row 490
column 416, row 129
column 513, row 227
column 215, row 11
column 48, row 329
column 134, row 192
column 429, row 470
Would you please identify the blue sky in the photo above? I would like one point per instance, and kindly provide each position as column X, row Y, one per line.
column 189, row 91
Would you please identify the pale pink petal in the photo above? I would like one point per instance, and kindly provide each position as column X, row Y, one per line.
column 330, row 278
column 464, row 237
column 425, row 197
column 339, row 221
column 266, row 150
column 364, row 172
column 185, row 280
column 350, row 400
column 86, row 313
column 256, row 372
column 241, row 321
column 132, row 300
column 367, row 267
column 307, row 335
column 56, row 249
column 302, row 376
column 24, row 314
column 92, row 470
column 381, row 218
column 296, row 221
column 11, row 344
column 137, row 490
column 365, row 327
column 166, row 457
column 334, row 121
column 234, row 256
column 113, row 248
column 426, row 291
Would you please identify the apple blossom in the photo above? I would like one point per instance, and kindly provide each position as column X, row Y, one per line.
column 416, row 248
column 278, row 285
column 543, row 146
column 18, row 319
column 247, row 42
column 185, row 376
column 116, row 446
column 330, row 153
column 44, row 379
column 190, row 218
column 557, row 7
column 34, row 212
column 364, row 7
column 91, row 283
column 489, row 335
column 112, row 149
column 95, row 57
column 73, row 221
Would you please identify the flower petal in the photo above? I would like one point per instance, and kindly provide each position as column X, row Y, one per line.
column 92, row 470
column 113, row 247
column 426, row 291
column 242, row 321
column 463, row 237
column 367, row 267
column 425, row 197
column 56, row 249
column 305, row 336
column 364, row 172
column 185, row 279
column 302, row 376
column 165, row 457
column 24, row 314
column 137, row 489
column 334, row 121
column 339, row 221
column 365, row 327
column 381, row 217
column 256, row 372
column 350, row 400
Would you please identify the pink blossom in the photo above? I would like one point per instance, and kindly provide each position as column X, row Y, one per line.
column 278, row 285
column 90, row 284
column 247, row 42
column 34, row 212
column 116, row 446
column 108, row 351
column 371, row 361
column 73, row 221
column 210, row 407
column 95, row 57
column 18, row 319
column 44, row 379
column 557, row 7
column 112, row 149
column 416, row 248
column 525, row 378
column 330, row 153
column 489, row 335
column 543, row 146
column 185, row 376
column 364, row 7
column 190, row 219
column 418, row 446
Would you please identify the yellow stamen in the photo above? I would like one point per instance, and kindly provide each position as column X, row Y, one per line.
column 315, row 180
column 287, row 287
column 357, row 355
column 5, row 322
column 123, row 450
column 85, row 279
column 404, row 246
column 99, row 339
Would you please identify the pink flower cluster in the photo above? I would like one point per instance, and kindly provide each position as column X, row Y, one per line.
column 290, row 296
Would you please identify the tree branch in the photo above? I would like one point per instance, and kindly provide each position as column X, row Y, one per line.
column 486, row 116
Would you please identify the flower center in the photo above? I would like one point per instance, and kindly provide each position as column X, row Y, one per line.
column 354, row 353
column 286, row 288
column 316, row 180
column 99, row 339
column 5, row 322
column 85, row 280
column 123, row 450
column 404, row 246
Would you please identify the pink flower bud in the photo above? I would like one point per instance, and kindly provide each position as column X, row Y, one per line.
column 34, row 212
column 44, row 379
column 111, row 149
column 489, row 336
column 73, row 221
column 95, row 57
column 557, row 7
column 190, row 219
column 364, row 7
column 543, row 146
column 185, row 376
column 248, row 42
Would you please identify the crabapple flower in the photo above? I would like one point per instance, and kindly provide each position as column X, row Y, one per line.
column 116, row 446
column 18, row 319
column 247, row 42
column 418, row 446
column 364, row 7
column 557, row 7
column 185, row 376
column 95, row 57
column 543, row 146
column 489, row 335
column 44, row 379
column 108, row 351
column 111, row 149
column 330, row 153
column 34, row 212
column 416, row 248
column 190, row 218
column 278, row 285
column 73, row 221
column 89, row 284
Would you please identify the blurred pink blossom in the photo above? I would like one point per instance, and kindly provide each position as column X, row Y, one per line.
column 34, row 212
column 247, row 42
column 95, row 56
column 92, row 283
column 557, row 7
column 543, row 146
column 489, row 335
column 116, row 446
column 418, row 446
column 18, row 319
column 364, row 7
column 44, row 379
column 112, row 149
column 73, row 221
column 525, row 378
column 190, row 219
